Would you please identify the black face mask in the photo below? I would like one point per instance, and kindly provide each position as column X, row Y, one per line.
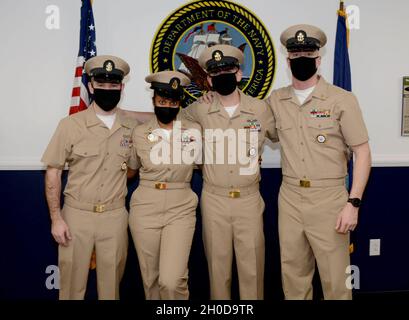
column 303, row 68
column 225, row 83
column 107, row 99
column 166, row 114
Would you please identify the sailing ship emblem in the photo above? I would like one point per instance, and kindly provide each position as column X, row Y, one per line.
column 180, row 41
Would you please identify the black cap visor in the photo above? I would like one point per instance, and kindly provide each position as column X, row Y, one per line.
column 165, row 90
column 224, row 64
column 309, row 44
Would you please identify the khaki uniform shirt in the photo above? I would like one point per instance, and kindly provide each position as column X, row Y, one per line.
column 252, row 115
column 315, row 136
column 154, row 165
column 97, row 157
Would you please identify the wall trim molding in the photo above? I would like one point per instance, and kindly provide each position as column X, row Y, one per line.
column 270, row 160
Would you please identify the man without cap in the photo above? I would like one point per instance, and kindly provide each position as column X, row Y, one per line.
column 95, row 144
column 231, row 205
column 317, row 124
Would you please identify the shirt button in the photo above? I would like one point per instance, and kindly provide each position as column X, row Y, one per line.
column 105, row 169
column 107, row 153
column 305, row 177
column 300, row 127
column 231, row 171
column 231, row 187
column 102, row 185
column 168, row 169
column 302, row 143
column 302, row 160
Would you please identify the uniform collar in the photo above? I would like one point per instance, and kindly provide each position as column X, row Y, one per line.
column 245, row 105
column 153, row 123
column 93, row 120
column 91, row 117
column 320, row 91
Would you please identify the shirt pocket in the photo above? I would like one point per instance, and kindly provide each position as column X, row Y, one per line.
column 143, row 152
column 85, row 158
column 283, row 125
column 214, row 147
column 250, row 148
column 249, row 160
column 124, row 153
column 321, row 130
column 84, row 152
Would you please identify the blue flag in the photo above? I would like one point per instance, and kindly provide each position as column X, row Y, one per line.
column 342, row 68
column 342, row 78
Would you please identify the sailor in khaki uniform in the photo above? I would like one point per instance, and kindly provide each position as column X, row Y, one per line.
column 163, row 207
column 231, row 205
column 317, row 125
column 96, row 144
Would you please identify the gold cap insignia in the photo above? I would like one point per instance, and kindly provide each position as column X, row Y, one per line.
column 300, row 36
column 175, row 84
column 108, row 66
column 217, row 55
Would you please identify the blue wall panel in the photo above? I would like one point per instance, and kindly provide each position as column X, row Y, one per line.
column 27, row 247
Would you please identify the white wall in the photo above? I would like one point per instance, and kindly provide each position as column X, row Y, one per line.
column 37, row 64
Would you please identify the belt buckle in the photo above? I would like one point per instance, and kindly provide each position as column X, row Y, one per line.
column 160, row 186
column 99, row 208
column 305, row 183
column 234, row 194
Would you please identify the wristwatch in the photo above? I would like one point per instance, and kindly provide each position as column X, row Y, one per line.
column 356, row 202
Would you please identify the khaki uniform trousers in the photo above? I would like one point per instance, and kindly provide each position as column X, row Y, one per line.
column 107, row 233
column 307, row 220
column 162, row 224
column 234, row 225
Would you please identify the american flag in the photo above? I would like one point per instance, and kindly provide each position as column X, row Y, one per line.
column 80, row 97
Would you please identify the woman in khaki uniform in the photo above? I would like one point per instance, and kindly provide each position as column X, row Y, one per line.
column 163, row 207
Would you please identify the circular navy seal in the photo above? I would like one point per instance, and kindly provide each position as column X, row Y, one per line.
column 190, row 29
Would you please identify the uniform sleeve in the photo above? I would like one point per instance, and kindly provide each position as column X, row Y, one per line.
column 59, row 147
column 190, row 113
column 199, row 140
column 134, row 161
column 351, row 120
column 270, row 122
